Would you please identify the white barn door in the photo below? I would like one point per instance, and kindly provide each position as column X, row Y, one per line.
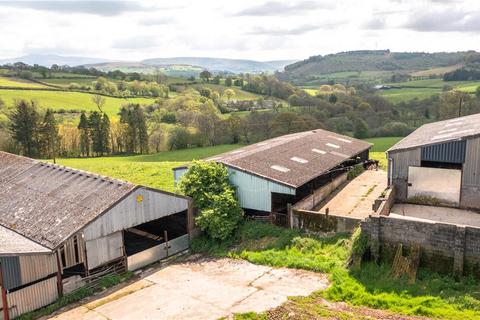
column 443, row 184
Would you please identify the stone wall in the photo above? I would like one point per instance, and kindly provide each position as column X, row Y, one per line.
column 445, row 248
column 316, row 222
column 311, row 201
column 384, row 204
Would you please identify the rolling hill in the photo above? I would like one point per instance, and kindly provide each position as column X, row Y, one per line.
column 379, row 63
column 48, row 60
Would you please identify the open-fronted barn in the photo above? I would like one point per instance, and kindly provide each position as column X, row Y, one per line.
column 60, row 227
column 283, row 170
column 439, row 160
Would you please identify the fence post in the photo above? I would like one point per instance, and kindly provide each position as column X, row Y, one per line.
column 289, row 216
column 6, row 315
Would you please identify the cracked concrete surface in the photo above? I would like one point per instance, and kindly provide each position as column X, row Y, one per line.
column 202, row 289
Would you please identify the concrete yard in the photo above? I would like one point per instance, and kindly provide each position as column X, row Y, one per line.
column 355, row 198
column 438, row 214
column 201, row 289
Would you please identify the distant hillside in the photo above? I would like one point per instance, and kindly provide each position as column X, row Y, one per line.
column 370, row 61
column 48, row 60
column 221, row 64
column 175, row 70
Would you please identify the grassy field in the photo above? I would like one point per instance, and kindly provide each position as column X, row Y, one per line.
column 19, row 83
column 69, row 100
column 371, row 285
column 65, row 82
column 382, row 144
column 422, row 89
column 153, row 170
column 239, row 93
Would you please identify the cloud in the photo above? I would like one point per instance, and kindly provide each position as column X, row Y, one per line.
column 375, row 24
column 278, row 8
column 283, row 31
column 156, row 21
column 445, row 21
column 100, row 7
column 137, row 42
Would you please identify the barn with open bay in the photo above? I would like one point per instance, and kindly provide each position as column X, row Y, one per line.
column 61, row 227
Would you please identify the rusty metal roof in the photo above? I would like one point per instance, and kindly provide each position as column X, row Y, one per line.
column 296, row 158
column 48, row 203
column 440, row 132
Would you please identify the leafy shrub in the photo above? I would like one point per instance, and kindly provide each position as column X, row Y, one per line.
column 355, row 172
column 222, row 216
column 207, row 183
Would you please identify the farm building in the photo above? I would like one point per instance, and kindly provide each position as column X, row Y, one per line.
column 439, row 160
column 271, row 174
column 60, row 228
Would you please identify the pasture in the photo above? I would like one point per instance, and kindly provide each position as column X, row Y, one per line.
column 72, row 101
column 422, row 89
column 152, row 170
column 19, row 83
column 239, row 93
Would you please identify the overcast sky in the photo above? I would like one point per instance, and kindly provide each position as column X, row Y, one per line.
column 251, row 29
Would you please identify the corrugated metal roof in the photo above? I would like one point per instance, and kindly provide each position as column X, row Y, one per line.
column 48, row 203
column 14, row 243
column 296, row 158
column 440, row 132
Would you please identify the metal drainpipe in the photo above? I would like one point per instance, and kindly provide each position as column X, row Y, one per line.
column 390, row 171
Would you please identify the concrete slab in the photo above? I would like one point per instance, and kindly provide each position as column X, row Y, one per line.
column 202, row 289
column 437, row 214
column 356, row 197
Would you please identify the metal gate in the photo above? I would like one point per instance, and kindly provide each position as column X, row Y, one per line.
column 443, row 184
column 162, row 251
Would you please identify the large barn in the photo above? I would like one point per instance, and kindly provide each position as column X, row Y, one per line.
column 60, row 227
column 439, row 160
column 271, row 174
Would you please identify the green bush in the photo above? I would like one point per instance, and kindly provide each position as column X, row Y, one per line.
column 207, row 183
column 221, row 217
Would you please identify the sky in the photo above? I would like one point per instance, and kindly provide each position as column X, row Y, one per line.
column 245, row 29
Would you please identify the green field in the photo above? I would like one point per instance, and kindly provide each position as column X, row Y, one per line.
column 239, row 93
column 69, row 100
column 65, row 82
column 382, row 144
column 422, row 89
column 153, row 170
column 19, row 83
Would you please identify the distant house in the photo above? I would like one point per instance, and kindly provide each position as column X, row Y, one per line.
column 439, row 160
column 283, row 170
column 60, row 227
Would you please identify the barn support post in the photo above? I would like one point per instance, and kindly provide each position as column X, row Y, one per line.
column 6, row 315
column 59, row 277
column 190, row 218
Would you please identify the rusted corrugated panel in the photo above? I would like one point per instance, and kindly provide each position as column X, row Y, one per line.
column 142, row 205
column 471, row 167
column 440, row 132
column 11, row 272
column 32, row 297
column 105, row 249
column 402, row 160
column 48, row 203
column 35, row 267
column 296, row 158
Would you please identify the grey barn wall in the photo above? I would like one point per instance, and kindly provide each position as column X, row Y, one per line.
column 104, row 249
column 401, row 161
column 129, row 212
column 470, row 196
column 254, row 192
